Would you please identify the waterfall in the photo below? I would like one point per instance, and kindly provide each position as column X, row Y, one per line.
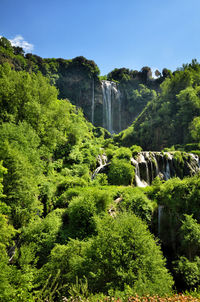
column 152, row 170
column 111, row 95
column 92, row 119
column 167, row 171
column 147, row 173
column 160, row 214
column 157, row 168
column 148, row 165
column 102, row 161
column 138, row 181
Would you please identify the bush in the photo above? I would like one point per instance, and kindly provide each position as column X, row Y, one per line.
column 123, row 153
column 136, row 201
column 135, row 149
column 121, row 173
column 125, row 253
column 188, row 272
column 81, row 213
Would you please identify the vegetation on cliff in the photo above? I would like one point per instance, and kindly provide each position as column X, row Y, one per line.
column 171, row 118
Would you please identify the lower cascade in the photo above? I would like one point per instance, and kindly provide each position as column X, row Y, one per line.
column 149, row 165
column 102, row 163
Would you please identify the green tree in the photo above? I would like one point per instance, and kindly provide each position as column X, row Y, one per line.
column 6, row 234
column 190, row 237
column 124, row 252
column 195, row 129
column 18, row 149
column 81, row 212
column 121, row 173
column 187, row 272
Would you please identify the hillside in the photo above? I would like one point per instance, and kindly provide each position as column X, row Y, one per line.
column 85, row 215
column 78, row 80
column 173, row 117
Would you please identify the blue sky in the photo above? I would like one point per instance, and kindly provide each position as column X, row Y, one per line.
column 113, row 33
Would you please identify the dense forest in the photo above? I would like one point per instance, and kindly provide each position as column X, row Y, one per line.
column 74, row 225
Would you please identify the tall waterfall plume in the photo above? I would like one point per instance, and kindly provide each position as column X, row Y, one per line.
column 111, row 100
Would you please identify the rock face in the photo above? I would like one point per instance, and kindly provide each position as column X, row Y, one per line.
column 100, row 101
column 148, row 165
column 104, row 103
column 108, row 104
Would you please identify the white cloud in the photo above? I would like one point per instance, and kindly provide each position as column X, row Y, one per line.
column 19, row 41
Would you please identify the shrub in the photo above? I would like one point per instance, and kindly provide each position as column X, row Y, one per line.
column 123, row 153
column 121, row 173
column 81, row 213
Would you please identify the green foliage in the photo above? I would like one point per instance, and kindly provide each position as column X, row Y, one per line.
column 6, row 234
column 124, row 252
column 134, row 200
column 121, row 173
column 190, row 237
column 181, row 196
column 62, row 233
column 50, row 290
column 23, row 169
column 5, row 43
column 135, row 150
column 188, row 272
column 41, row 234
column 69, row 260
column 81, row 213
column 195, row 129
column 4, row 209
column 123, row 153
column 79, row 290
column 170, row 112
column 100, row 180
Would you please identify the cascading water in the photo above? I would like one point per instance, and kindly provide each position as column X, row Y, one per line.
column 110, row 95
column 148, row 165
column 147, row 173
column 156, row 165
column 102, row 162
column 160, row 214
column 139, row 182
column 167, row 171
